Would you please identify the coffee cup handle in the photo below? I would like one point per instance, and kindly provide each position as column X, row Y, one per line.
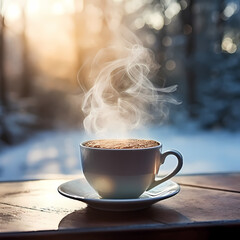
column 163, row 157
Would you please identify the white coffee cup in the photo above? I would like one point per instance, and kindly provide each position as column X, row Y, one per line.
column 125, row 173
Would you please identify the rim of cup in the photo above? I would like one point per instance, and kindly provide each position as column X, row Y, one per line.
column 121, row 149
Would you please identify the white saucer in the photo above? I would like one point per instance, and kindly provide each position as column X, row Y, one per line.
column 80, row 189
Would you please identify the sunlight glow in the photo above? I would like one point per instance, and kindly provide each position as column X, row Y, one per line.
column 32, row 7
column 173, row 9
column 183, row 4
column 103, row 184
column 154, row 19
column 94, row 23
column 230, row 9
column 139, row 23
column 228, row 45
column 132, row 6
column 12, row 12
column 170, row 65
column 58, row 8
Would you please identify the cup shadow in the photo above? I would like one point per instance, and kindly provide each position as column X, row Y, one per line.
column 89, row 218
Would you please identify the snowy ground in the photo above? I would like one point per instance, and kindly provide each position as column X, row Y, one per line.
column 58, row 152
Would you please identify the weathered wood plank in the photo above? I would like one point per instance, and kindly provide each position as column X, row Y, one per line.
column 33, row 205
column 23, row 219
column 221, row 181
column 36, row 205
column 190, row 205
column 196, row 231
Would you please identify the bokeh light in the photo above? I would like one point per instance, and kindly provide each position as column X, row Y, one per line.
column 228, row 45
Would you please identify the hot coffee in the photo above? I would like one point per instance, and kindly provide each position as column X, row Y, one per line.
column 121, row 143
column 124, row 168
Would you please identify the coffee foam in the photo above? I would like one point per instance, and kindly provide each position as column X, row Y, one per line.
column 121, row 143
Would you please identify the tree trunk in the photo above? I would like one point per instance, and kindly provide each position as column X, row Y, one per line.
column 220, row 24
column 4, row 133
column 3, row 92
column 26, row 80
column 189, row 30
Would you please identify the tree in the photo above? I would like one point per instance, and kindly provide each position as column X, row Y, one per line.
column 26, row 78
column 4, row 133
column 189, row 30
column 3, row 92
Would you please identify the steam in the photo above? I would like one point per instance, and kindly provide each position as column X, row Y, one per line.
column 121, row 96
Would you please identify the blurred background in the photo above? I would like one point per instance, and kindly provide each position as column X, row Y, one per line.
column 44, row 43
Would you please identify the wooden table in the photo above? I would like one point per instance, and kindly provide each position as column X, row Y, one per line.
column 207, row 206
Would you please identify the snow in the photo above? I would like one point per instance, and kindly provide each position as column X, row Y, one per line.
column 57, row 152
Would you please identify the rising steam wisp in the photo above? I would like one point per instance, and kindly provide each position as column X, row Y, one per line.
column 122, row 97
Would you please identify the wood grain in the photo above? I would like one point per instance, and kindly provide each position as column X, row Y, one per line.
column 221, row 181
column 36, row 205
